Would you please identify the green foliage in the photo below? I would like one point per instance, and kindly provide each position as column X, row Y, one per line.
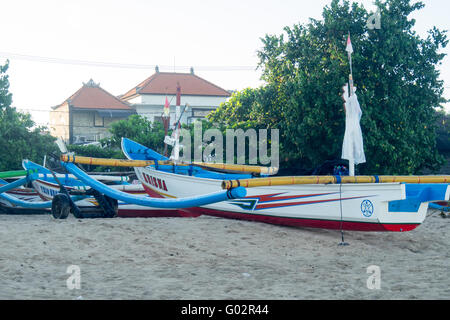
column 135, row 127
column 139, row 129
column 443, row 133
column 95, row 151
column 306, row 67
column 18, row 139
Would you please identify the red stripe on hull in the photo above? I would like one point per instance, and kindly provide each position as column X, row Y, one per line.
column 22, row 193
column 309, row 223
column 54, row 185
column 289, row 204
column 152, row 193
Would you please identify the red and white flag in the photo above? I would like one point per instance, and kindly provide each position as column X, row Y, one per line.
column 166, row 108
column 349, row 47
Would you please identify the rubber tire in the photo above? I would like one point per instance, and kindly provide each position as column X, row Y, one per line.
column 60, row 206
column 114, row 204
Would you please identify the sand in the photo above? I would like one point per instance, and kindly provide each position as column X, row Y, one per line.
column 212, row 258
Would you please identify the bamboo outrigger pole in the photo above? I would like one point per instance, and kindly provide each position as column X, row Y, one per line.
column 145, row 163
column 294, row 180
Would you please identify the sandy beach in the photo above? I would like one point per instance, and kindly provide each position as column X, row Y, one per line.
column 212, row 258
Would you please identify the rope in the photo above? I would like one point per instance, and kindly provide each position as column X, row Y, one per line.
column 342, row 243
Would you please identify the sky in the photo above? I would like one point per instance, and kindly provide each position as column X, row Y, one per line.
column 54, row 46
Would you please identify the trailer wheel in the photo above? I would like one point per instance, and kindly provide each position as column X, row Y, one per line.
column 113, row 203
column 60, row 206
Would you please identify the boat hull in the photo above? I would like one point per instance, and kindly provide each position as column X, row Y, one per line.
column 312, row 223
column 23, row 194
column 357, row 207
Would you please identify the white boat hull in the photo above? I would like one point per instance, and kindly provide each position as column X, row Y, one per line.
column 23, row 194
column 360, row 207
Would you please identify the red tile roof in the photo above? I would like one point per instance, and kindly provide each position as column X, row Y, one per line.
column 92, row 96
column 166, row 83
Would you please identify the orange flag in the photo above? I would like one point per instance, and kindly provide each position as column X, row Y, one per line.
column 349, row 47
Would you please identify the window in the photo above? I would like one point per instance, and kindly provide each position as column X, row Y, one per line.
column 98, row 120
column 201, row 113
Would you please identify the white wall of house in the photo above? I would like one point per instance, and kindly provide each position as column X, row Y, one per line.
column 151, row 106
column 152, row 111
column 200, row 101
column 59, row 122
column 85, row 128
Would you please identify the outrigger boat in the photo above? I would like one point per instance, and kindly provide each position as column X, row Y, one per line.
column 64, row 202
column 10, row 201
column 361, row 203
column 109, row 197
column 47, row 188
column 443, row 206
column 364, row 203
column 17, row 199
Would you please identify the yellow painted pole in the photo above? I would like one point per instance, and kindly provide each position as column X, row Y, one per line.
column 106, row 162
column 144, row 163
column 238, row 167
column 293, row 180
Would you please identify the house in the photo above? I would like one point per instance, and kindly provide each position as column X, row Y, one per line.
column 87, row 115
column 201, row 96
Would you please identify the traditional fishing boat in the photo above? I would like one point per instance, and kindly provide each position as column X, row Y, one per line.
column 108, row 197
column 362, row 203
column 9, row 200
column 47, row 188
column 15, row 198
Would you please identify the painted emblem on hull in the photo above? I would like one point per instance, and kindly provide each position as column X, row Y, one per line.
column 246, row 204
column 367, row 208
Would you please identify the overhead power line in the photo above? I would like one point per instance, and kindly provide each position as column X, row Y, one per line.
column 19, row 56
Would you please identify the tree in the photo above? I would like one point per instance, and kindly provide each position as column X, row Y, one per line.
column 135, row 127
column 443, row 134
column 139, row 129
column 395, row 72
column 18, row 139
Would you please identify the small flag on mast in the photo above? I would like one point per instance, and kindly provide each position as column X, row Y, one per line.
column 349, row 47
column 166, row 108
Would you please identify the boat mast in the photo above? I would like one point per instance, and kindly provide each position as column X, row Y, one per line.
column 166, row 121
column 176, row 148
column 349, row 49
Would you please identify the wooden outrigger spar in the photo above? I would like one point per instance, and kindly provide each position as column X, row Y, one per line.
column 144, row 163
column 294, row 180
